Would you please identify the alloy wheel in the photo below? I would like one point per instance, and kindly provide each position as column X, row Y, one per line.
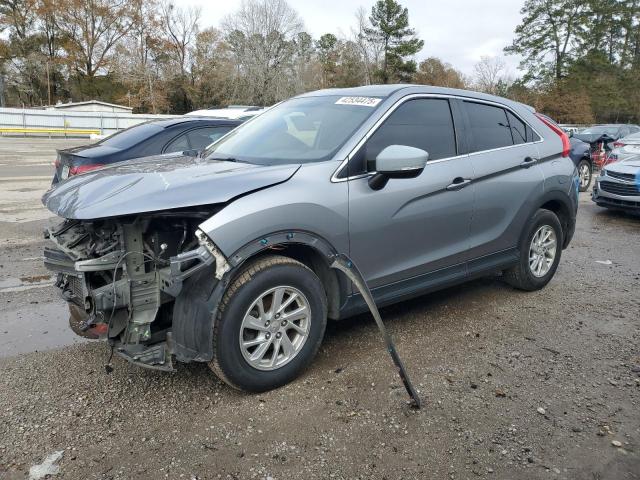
column 542, row 251
column 275, row 328
column 585, row 176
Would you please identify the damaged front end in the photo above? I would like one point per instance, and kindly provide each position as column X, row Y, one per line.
column 121, row 277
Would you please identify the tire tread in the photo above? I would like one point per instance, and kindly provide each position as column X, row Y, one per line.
column 245, row 276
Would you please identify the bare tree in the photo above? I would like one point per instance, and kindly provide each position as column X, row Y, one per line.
column 490, row 75
column 92, row 29
column 140, row 57
column 181, row 27
column 370, row 50
column 264, row 38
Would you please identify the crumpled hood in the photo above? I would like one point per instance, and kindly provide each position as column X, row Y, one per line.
column 593, row 137
column 155, row 183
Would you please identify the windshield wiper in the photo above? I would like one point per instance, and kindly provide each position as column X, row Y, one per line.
column 225, row 159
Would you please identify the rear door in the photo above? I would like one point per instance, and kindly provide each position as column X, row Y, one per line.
column 507, row 177
column 412, row 226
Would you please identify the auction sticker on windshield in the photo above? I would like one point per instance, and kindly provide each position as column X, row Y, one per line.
column 361, row 101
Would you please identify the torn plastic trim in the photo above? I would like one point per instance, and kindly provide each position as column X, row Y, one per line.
column 222, row 266
column 345, row 265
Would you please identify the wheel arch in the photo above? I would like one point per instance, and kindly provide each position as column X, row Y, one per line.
column 309, row 249
column 197, row 305
column 560, row 204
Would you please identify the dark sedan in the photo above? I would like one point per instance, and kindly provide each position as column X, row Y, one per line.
column 184, row 134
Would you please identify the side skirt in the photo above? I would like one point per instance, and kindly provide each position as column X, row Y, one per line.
column 432, row 281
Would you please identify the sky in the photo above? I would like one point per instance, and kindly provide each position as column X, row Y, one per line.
column 457, row 31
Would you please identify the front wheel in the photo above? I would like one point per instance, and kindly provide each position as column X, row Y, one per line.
column 270, row 324
column 584, row 175
column 540, row 250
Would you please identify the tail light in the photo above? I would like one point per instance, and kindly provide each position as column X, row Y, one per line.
column 80, row 169
column 618, row 144
column 566, row 144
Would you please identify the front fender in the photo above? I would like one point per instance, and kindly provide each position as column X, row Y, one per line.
column 308, row 202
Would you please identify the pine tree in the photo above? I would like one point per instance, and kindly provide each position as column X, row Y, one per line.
column 390, row 27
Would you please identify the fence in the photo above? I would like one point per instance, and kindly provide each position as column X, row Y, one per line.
column 31, row 122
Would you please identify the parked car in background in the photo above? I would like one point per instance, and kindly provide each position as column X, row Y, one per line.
column 625, row 148
column 227, row 258
column 602, row 139
column 182, row 134
column 580, row 154
column 618, row 186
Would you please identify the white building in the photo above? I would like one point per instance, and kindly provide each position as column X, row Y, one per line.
column 90, row 106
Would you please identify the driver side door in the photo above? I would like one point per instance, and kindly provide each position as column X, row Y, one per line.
column 414, row 232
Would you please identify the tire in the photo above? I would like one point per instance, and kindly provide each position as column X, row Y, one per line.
column 522, row 276
column 585, row 173
column 239, row 312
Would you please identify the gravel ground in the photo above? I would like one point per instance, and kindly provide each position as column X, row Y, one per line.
column 515, row 385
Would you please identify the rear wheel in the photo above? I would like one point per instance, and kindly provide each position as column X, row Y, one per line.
column 540, row 250
column 584, row 174
column 269, row 325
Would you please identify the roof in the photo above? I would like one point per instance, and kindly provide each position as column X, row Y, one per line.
column 170, row 122
column 230, row 112
column 89, row 102
column 364, row 91
column 388, row 90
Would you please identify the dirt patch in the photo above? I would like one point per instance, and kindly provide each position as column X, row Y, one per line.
column 515, row 385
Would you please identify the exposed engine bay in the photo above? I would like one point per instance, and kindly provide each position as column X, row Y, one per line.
column 122, row 275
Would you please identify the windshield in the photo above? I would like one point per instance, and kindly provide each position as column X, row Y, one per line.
column 300, row 130
column 131, row 136
column 600, row 131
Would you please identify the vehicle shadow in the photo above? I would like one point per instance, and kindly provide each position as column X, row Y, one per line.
column 397, row 315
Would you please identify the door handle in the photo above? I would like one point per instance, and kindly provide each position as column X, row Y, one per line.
column 528, row 162
column 459, row 183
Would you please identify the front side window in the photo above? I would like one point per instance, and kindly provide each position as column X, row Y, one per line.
column 300, row 130
column 421, row 123
column 489, row 127
column 178, row 144
column 203, row 137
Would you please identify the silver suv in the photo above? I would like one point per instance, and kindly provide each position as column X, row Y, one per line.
column 226, row 258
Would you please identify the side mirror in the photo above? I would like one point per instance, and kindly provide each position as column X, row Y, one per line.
column 398, row 161
column 191, row 153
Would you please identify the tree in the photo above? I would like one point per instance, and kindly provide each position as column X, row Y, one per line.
column 490, row 76
column 370, row 48
column 262, row 37
column 546, row 36
column 140, row 58
column 92, row 29
column 434, row 71
column 390, row 27
column 328, row 53
column 181, row 28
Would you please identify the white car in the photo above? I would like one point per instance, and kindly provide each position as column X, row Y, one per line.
column 625, row 148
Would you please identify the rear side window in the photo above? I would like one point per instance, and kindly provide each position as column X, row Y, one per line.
column 131, row 136
column 518, row 129
column 421, row 123
column 489, row 127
